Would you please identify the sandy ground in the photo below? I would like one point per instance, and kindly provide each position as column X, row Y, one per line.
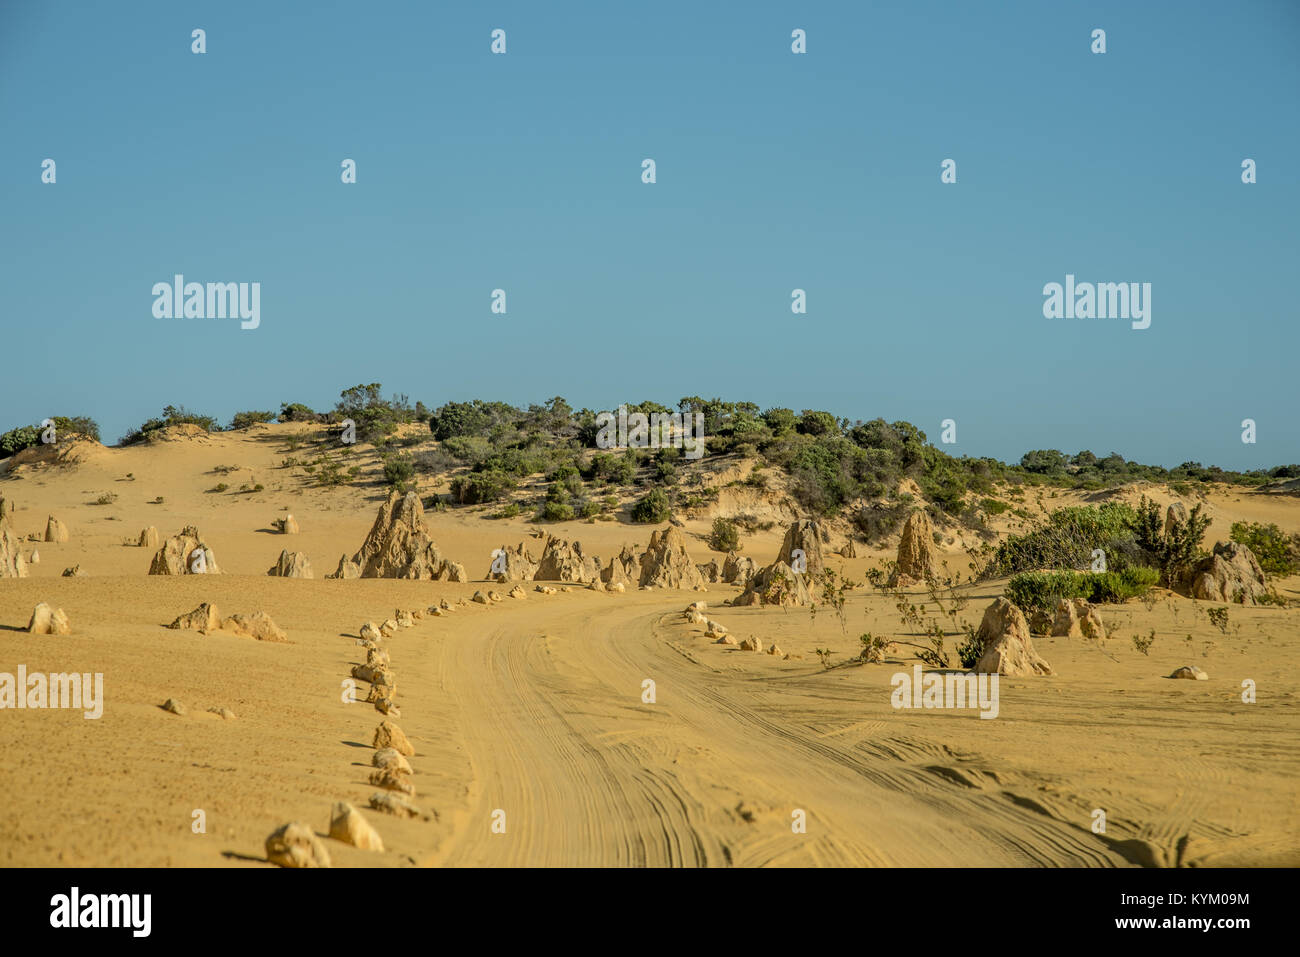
column 531, row 711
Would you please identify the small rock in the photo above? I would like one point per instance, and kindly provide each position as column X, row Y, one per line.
column 390, row 803
column 391, row 779
column 775, row 650
column 751, row 644
column 258, row 625
column 74, row 572
column 202, row 619
column 174, row 706
column 370, row 632
column 388, row 628
column 389, row 735
column 480, row 598
column 390, row 758
column 347, row 825
column 296, row 845
column 225, row 713
column 517, row 592
column 46, row 620
column 1191, row 672
column 35, row 558
column 726, row 640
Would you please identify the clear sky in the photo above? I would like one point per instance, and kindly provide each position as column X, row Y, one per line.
column 775, row 171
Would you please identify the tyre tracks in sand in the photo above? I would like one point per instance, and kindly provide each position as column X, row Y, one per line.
column 548, row 703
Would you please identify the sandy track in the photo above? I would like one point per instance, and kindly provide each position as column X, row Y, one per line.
column 558, row 738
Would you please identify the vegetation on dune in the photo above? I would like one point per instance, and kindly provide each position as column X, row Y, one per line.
column 27, row 436
column 832, row 466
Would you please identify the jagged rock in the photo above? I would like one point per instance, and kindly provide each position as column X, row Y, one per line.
column 545, row 590
column 296, row 845
column 347, row 569
column 738, row 570
column 724, row 640
column 399, row 546
column 713, row 629
column 390, row 803
column 418, row 614
column 370, row 632
column 291, row 565
column 696, row 618
column 807, row 535
column 479, row 597
column 202, row 619
column 698, row 606
column 514, row 564
column 363, row 672
column 776, row 584
column 148, row 538
column 597, row 585
column 388, row 627
column 55, row 531
column 47, row 620
column 404, row 619
column 388, row 706
column 389, row 735
column 454, row 572
column 390, row 758
column 848, row 551
column 751, row 644
column 222, row 712
column 74, row 572
column 445, row 605
column 563, row 561
column 185, row 554
column 775, row 650
column 1230, row 574
column 436, row 611
column 174, row 706
column 916, row 561
column 666, row 563
column 391, row 779
column 517, row 592
column 1191, row 672
column 347, row 825
column 1090, row 620
column 624, row 567
column 376, row 656
column 1007, row 648
column 494, row 596
column 288, row 526
column 257, row 625
column 12, row 564
column 1066, row 622
column 1176, row 513
column 710, row 571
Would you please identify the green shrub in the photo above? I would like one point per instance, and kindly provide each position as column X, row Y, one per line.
column 652, row 509
column 1067, row 538
column 296, row 412
column 1040, row 591
column 399, row 471
column 725, row 537
column 1174, row 552
column 15, row 440
column 243, row 420
column 1277, row 552
column 481, row 487
column 556, row 512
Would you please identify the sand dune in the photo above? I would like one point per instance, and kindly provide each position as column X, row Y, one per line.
column 534, row 707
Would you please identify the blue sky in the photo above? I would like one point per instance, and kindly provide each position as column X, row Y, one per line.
column 775, row 171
